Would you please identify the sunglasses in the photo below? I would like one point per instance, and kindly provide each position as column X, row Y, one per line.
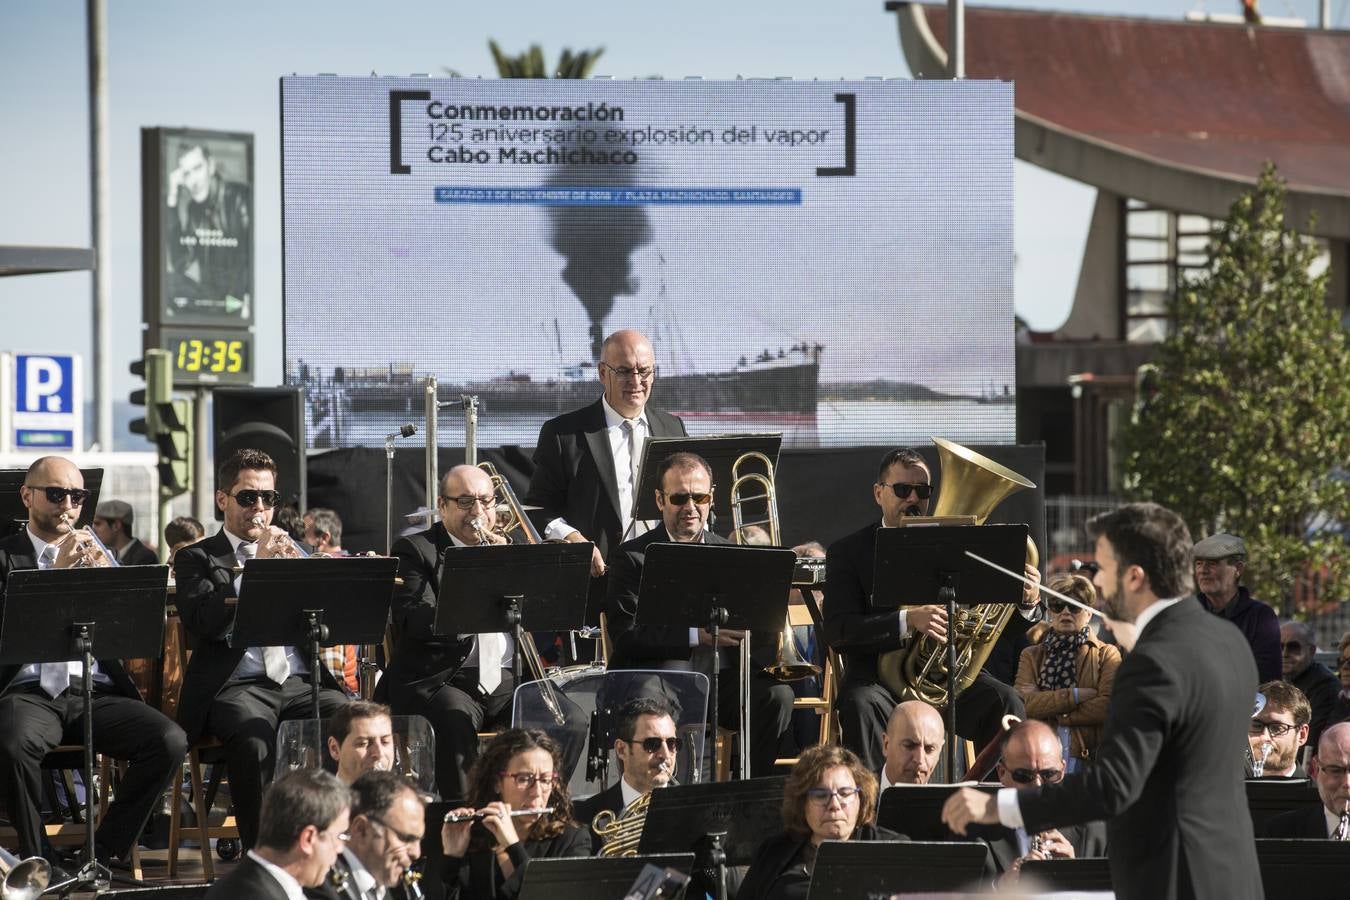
column 1056, row 605
column 1029, row 776
column 57, row 494
column 653, row 744
column 681, row 498
column 249, row 498
column 902, row 490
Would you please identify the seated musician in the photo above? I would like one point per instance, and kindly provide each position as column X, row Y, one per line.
column 384, row 839
column 440, row 677
column 647, row 745
column 1331, row 817
column 240, row 695
column 1065, row 676
column 300, row 835
column 1279, row 731
column 485, row 859
column 861, row 627
column 1032, row 755
column 323, row 532
column 40, row 707
column 684, row 499
column 912, row 743
column 829, row 796
column 361, row 739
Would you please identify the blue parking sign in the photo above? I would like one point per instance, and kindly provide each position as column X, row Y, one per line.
column 47, row 400
column 45, row 384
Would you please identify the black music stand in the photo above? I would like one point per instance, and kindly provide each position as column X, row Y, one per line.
column 721, row 452
column 722, row 823
column 1091, row 873
column 323, row 601
column 859, row 870
column 715, row 586
column 593, row 878
column 1268, row 797
column 1303, row 869
column 515, row 588
column 57, row 615
column 928, row 564
column 915, row 810
column 13, row 514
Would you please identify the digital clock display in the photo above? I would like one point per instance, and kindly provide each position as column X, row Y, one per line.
column 209, row 357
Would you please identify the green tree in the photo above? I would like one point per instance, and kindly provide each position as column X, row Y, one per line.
column 1243, row 425
column 530, row 64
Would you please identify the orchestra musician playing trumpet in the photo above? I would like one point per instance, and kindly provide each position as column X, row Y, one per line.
column 240, row 695
column 441, row 677
column 40, row 707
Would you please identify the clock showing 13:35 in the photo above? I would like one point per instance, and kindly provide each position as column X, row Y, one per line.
column 206, row 356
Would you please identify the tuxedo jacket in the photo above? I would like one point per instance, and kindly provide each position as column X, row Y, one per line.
column 1087, row 840
column 204, row 573
column 778, row 853
column 329, row 891
column 1163, row 780
column 574, row 471
column 249, row 879
column 585, row 811
column 854, row 627
column 137, row 554
column 1309, row 822
column 16, row 552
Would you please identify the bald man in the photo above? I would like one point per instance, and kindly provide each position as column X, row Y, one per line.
column 461, row 683
column 38, row 710
column 912, row 742
column 1333, row 789
column 1299, row 667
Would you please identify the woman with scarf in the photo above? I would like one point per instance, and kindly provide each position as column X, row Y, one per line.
column 1065, row 678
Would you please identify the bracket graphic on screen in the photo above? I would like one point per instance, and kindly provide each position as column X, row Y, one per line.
column 849, row 168
column 396, row 98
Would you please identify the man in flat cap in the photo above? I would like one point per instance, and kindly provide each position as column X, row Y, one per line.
column 1219, row 561
column 112, row 523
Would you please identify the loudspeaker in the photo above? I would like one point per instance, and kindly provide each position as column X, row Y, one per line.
column 268, row 419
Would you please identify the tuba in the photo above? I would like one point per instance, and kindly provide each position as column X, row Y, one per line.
column 972, row 485
column 24, row 879
column 620, row 833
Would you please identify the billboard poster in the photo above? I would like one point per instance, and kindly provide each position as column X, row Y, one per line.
column 828, row 260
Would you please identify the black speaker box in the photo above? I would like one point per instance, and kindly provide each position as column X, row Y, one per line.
column 268, row 419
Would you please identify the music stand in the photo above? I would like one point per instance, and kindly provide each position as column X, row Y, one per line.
column 1091, row 873
column 593, row 878
column 57, row 615
column 859, row 870
column 721, row 452
column 286, row 602
column 13, row 514
column 722, row 823
column 1303, row 869
column 515, row 588
column 915, row 810
column 715, row 586
column 1268, row 797
column 928, row 564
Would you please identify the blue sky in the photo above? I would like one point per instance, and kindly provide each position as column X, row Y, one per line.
column 216, row 66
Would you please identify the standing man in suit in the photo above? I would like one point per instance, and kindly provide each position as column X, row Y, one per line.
column 1333, row 788
column 862, row 627
column 1168, row 776
column 684, row 499
column 585, row 465
column 240, row 695
column 647, row 745
column 388, row 819
column 302, row 830
column 440, row 676
column 40, row 707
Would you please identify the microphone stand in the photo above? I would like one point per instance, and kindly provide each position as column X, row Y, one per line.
column 407, row 430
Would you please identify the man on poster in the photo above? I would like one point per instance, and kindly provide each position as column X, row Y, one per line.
column 208, row 233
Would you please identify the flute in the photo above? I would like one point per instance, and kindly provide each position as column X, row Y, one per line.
column 451, row 818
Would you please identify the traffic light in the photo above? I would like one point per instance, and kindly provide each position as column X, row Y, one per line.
column 167, row 422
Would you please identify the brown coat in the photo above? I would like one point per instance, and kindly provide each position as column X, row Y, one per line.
column 1097, row 663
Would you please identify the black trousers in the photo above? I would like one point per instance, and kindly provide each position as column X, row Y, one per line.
column 245, row 716
column 770, row 716
column 32, row 723
column 457, row 711
column 865, row 708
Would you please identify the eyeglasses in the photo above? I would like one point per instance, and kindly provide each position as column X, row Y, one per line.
column 1276, row 729
column 1029, row 776
column 653, row 744
column 822, row 796
column 903, row 489
column 403, row 838
column 468, row 500
column 527, row 780
column 642, row 372
column 680, row 498
column 57, row 494
column 1293, row 647
column 249, row 498
column 1336, row 773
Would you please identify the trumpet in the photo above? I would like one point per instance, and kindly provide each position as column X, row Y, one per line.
column 451, row 818
column 282, row 546
column 90, row 553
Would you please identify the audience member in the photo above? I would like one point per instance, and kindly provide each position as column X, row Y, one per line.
column 1340, row 712
column 1065, row 679
column 1298, row 649
column 1219, row 561
column 323, row 531
column 180, row 532
column 912, row 742
column 1280, row 730
column 113, row 520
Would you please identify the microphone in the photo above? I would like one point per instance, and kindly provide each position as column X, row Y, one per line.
column 408, row 429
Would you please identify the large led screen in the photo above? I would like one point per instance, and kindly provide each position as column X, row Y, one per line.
column 829, row 260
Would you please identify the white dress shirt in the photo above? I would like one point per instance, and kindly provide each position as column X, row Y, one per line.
column 509, row 640
column 251, row 666
column 361, row 876
column 1009, row 811
column 624, row 474
column 287, row 881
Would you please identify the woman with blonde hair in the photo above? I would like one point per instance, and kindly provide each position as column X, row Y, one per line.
column 1065, row 677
